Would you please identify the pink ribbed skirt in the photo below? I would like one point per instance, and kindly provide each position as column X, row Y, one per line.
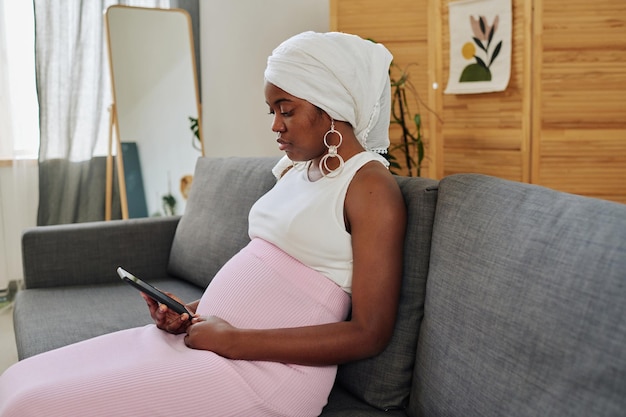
column 147, row 372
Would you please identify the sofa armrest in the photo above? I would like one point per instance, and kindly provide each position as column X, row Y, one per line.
column 89, row 253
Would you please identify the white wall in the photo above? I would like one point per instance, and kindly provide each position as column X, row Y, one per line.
column 236, row 37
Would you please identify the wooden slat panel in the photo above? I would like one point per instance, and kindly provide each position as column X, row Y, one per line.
column 576, row 109
column 411, row 54
column 503, row 164
column 478, row 127
column 583, row 88
column 401, row 25
column 435, row 65
column 585, row 175
column 389, row 20
column 498, row 110
column 584, row 161
column 487, row 139
column 576, row 142
column 573, row 25
column 581, row 104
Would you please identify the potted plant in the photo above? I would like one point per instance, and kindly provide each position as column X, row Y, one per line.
column 195, row 129
column 411, row 145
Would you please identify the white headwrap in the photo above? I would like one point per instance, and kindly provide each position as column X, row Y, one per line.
column 344, row 75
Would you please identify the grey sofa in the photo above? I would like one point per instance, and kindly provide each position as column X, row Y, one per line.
column 513, row 300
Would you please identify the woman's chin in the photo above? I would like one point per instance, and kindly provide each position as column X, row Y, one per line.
column 294, row 156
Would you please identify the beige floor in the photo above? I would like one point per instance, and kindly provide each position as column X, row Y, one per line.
column 8, row 351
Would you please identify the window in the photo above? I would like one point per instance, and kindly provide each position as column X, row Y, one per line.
column 17, row 83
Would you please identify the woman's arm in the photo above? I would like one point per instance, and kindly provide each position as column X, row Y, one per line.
column 376, row 215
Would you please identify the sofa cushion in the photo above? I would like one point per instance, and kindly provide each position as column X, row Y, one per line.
column 525, row 304
column 385, row 380
column 214, row 226
column 44, row 317
column 343, row 404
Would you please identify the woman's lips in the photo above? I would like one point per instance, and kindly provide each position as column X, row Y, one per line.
column 282, row 145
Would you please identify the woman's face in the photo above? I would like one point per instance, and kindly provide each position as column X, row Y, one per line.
column 300, row 125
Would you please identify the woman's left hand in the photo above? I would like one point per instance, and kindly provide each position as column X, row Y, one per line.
column 210, row 333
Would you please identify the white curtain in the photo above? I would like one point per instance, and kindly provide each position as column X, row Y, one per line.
column 18, row 137
column 75, row 94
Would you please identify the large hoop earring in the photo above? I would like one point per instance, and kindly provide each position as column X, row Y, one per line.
column 332, row 153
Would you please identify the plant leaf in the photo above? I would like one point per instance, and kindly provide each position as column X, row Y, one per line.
column 481, row 62
column 491, row 32
column 481, row 22
column 496, row 52
column 479, row 43
column 418, row 121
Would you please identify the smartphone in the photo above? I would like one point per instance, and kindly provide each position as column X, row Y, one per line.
column 152, row 292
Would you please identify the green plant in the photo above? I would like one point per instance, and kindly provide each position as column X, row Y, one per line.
column 169, row 205
column 195, row 129
column 411, row 146
column 411, row 143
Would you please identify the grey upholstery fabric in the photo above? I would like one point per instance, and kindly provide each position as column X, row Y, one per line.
column 99, row 309
column 343, row 404
column 525, row 310
column 385, row 380
column 215, row 224
column 89, row 253
column 73, row 292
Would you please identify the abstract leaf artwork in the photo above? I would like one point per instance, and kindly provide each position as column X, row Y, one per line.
column 480, row 46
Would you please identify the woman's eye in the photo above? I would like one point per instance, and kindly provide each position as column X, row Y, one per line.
column 282, row 113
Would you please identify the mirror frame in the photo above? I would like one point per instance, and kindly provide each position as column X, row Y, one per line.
column 114, row 125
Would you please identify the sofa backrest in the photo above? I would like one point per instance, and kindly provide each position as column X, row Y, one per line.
column 525, row 311
column 384, row 381
column 214, row 226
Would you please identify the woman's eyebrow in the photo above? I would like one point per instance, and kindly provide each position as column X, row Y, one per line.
column 279, row 101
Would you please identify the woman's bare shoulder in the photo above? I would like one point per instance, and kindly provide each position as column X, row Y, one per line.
column 375, row 177
column 374, row 190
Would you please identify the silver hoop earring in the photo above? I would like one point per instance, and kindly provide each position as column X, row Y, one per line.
column 332, row 153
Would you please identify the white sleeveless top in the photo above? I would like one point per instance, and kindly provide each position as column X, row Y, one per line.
column 306, row 219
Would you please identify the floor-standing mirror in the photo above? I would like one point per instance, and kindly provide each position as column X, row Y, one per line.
column 156, row 116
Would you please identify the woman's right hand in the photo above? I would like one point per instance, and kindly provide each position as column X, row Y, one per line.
column 167, row 319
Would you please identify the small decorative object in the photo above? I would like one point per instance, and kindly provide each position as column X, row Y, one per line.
column 185, row 185
column 483, row 37
column 480, row 46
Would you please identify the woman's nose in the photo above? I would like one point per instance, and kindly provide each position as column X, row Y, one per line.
column 277, row 124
